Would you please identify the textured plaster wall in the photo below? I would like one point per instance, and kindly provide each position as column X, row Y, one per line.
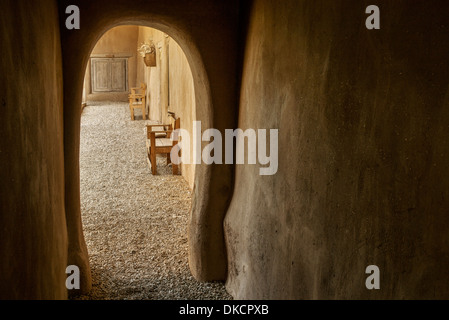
column 170, row 86
column 33, row 237
column 195, row 26
column 182, row 100
column 363, row 119
column 157, row 101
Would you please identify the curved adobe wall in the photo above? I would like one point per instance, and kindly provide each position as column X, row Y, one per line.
column 363, row 144
column 33, row 238
column 211, row 50
column 363, row 119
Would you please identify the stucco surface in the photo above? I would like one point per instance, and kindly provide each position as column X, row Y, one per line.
column 363, row 119
column 33, row 237
column 363, row 144
column 196, row 27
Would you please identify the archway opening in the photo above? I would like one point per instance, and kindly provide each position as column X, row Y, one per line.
column 135, row 223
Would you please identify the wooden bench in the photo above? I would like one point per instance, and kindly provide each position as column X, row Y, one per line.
column 159, row 142
column 137, row 100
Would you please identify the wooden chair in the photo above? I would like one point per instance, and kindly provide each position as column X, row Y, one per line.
column 137, row 100
column 159, row 142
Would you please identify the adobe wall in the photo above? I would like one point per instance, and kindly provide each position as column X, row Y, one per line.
column 363, row 120
column 156, row 99
column 198, row 27
column 182, row 100
column 33, row 237
column 170, row 86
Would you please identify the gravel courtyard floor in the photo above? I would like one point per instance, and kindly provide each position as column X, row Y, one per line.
column 135, row 224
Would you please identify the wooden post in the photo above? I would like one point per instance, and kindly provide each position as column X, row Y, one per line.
column 143, row 108
column 153, row 153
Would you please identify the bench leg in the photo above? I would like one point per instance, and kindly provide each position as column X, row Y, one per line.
column 175, row 169
column 174, row 166
column 144, row 104
column 168, row 159
column 131, row 110
column 153, row 163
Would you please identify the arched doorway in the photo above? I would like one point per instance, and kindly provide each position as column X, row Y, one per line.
column 216, row 97
column 134, row 223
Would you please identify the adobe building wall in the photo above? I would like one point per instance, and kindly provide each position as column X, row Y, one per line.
column 363, row 120
column 206, row 31
column 170, row 86
column 33, row 237
column 182, row 100
column 157, row 101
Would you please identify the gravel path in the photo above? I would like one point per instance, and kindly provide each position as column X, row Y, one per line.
column 135, row 224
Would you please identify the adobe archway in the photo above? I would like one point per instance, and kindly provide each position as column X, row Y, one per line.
column 211, row 51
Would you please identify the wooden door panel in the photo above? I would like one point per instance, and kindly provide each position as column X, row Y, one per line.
column 118, row 75
column 109, row 74
column 101, row 73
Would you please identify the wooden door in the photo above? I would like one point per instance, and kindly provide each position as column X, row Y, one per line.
column 109, row 74
column 118, row 75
